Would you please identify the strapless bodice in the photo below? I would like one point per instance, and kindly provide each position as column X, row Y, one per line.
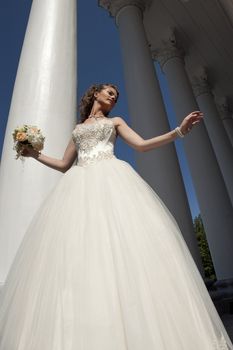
column 94, row 141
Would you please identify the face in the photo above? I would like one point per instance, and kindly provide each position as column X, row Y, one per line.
column 106, row 98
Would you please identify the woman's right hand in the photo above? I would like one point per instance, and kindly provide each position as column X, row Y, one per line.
column 58, row 164
column 29, row 152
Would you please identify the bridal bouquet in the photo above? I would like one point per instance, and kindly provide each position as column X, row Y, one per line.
column 27, row 136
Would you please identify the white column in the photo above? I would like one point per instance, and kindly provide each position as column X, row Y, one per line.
column 217, row 134
column 160, row 168
column 215, row 205
column 226, row 116
column 44, row 95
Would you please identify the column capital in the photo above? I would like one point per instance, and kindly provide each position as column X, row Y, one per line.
column 223, row 107
column 114, row 6
column 168, row 49
column 200, row 83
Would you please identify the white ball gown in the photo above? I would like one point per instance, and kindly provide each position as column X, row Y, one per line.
column 103, row 266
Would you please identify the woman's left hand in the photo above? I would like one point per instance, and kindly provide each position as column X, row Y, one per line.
column 190, row 120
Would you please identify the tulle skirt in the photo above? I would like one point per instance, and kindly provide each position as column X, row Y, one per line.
column 103, row 266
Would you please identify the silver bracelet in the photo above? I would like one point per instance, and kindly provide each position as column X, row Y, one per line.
column 179, row 132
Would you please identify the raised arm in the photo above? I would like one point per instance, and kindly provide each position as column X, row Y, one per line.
column 62, row 165
column 137, row 142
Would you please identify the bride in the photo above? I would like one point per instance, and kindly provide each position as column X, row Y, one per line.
column 103, row 264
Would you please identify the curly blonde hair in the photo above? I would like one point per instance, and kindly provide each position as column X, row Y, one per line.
column 88, row 98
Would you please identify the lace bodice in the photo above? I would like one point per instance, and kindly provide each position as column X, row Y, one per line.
column 94, row 141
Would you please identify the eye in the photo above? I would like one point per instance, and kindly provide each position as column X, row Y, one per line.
column 112, row 94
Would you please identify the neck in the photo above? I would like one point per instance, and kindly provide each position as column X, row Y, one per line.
column 97, row 110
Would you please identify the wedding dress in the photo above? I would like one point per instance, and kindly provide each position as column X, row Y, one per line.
column 103, row 266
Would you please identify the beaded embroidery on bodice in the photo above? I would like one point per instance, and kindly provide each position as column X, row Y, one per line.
column 94, row 141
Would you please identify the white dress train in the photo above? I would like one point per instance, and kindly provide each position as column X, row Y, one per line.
column 103, row 266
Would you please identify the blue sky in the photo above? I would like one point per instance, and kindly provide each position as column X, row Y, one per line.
column 99, row 60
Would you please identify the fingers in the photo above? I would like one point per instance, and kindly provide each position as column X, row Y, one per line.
column 194, row 117
column 190, row 120
column 25, row 152
column 197, row 113
column 196, row 122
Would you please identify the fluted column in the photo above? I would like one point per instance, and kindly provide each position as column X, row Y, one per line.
column 215, row 205
column 218, row 137
column 226, row 116
column 159, row 167
column 44, row 95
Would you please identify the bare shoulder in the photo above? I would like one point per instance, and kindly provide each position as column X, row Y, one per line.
column 76, row 125
column 118, row 121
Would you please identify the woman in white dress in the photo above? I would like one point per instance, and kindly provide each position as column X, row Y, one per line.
column 103, row 264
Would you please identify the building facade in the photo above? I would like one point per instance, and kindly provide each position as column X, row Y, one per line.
column 191, row 40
